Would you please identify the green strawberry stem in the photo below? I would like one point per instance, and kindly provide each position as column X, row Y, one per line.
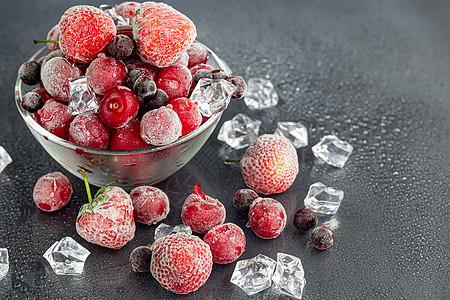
column 45, row 41
column 86, row 183
column 233, row 160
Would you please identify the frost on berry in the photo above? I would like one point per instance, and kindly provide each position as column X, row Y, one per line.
column 52, row 191
column 151, row 204
column 54, row 117
column 160, row 126
column 227, row 242
column 267, row 218
column 105, row 73
column 88, row 130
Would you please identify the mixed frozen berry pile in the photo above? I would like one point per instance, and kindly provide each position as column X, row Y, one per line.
column 139, row 72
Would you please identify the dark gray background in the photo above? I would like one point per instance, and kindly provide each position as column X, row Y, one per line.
column 376, row 73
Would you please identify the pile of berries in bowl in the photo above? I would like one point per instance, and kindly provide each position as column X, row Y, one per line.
column 110, row 94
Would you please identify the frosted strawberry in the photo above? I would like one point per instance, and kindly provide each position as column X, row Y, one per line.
column 161, row 33
column 85, row 31
column 107, row 220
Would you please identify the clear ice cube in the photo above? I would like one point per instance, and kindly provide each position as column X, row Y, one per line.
column 111, row 11
column 5, row 159
column 164, row 230
column 67, row 257
column 240, row 131
column 212, row 95
column 289, row 275
column 4, row 262
column 260, row 94
column 322, row 199
column 254, row 275
column 333, row 151
column 82, row 98
column 295, row 132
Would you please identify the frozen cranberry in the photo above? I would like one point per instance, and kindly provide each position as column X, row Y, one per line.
column 127, row 137
column 140, row 259
column 56, row 74
column 305, row 219
column 88, row 130
column 201, row 212
column 322, row 238
column 159, row 99
column 189, row 114
column 52, row 191
column 243, row 198
column 43, row 93
column 121, row 47
column 29, row 72
column 183, row 59
column 31, row 102
column 53, row 116
column 105, row 73
column 197, row 55
column 127, row 9
column 118, row 107
column 161, row 126
column 267, row 218
column 241, row 86
column 175, row 80
column 139, row 64
column 53, row 35
column 151, row 205
column 226, row 242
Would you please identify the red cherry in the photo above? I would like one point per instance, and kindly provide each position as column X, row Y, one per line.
column 175, row 80
column 118, row 107
column 189, row 114
column 127, row 137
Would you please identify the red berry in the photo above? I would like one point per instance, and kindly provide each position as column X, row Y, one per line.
column 105, row 73
column 175, row 80
column 140, row 259
column 267, row 218
column 183, row 59
column 197, row 55
column 226, row 241
column 53, row 35
column 127, row 9
column 322, row 238
column 127, row 137
column 201, row 212
column 88, row 130
column 189, row 114
column 52, row 191
column 181, row 263
column 160, row 126
column 118, row 107
column 53, row 116
column 85, row 32
column 151, row 204
column 243, row 198
column 305, row 219
column 270, row 164
column 161, row 33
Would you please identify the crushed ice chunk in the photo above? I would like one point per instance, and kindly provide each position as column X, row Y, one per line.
column 111, row 11
column 164, row 230
column 5, row 159
column 333, row 151
column 289, row 276
column 322, row 199
column 212, row 95
column 82, row 98
column 66, row 257
column 4, row 262
column 260, row 94
column 254, row 275
column 295, row 132
column 240, row 131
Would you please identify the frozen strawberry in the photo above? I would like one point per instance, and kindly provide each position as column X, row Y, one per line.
column 267, row 218
column 105, row 73
column 53, row 116
column 151, row 204
column 85, row 32
column 181, row 263
column 189, row 114
column 175, row 80
column 270, row 164
column 127, row 137
column 88, row 130
column 107, row 220
column 52, row 191
column 226, row 241
column 127, row 9
column 161, row 33
column 201, row 212
column 160, row 126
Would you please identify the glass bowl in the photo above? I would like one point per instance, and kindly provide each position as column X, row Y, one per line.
column 126, row 168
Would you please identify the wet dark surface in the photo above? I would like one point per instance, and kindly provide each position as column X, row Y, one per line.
column 375, row 73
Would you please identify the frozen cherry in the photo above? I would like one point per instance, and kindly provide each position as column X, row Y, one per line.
column 121, row 47
column 159, row 99
column 322, row 237
column 160, row 126
column 201, row 212
column 226, row 242
column 131, row 77
column 151, row 204
column 267, row 218
column 305, row 219
column 243, row 198
column 219, row 74
column 53, row 116
column 52, row 191
column 175, row 80
column 31, row 102
column 105, row 73
column 127, row 137
column 88, row 130
column 139, row 64
column 29, row 72
column 118, row 107
column 140, row 259
column 53, row 54
column 183, row 59
column 53, row 35
column 202, row 73
column 241, row 86
column 197, row 55
column 189, row 114
column 144, row 87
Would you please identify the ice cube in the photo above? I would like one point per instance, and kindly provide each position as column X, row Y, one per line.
column 164, row 230
column 212, row 95
column 82, row 98
column 111, row 11
column 240, row 131
column 322, row 199
column 67, row 257
column 295, row 132
column 289, row 275
column 5, row 159
column 4, row 262
column 260, row 94
column 332, row 150
column 254, row 275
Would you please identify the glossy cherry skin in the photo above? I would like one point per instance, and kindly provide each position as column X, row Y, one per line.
column 118, row 107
